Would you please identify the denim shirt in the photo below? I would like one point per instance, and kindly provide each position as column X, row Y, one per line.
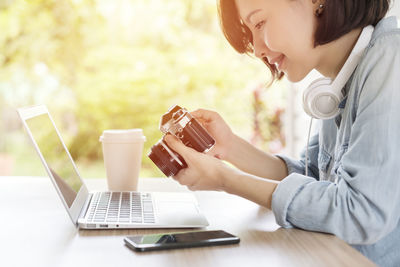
column 353, row 187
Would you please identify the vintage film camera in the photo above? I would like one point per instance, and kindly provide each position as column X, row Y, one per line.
column 178, row 122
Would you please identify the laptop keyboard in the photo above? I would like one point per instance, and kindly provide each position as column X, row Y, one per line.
column 121, row 207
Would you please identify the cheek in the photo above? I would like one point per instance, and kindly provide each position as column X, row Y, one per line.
column 293, row 35
column 299, row 54
column 274, row 38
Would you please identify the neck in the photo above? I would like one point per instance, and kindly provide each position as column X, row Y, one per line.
column 335, row 54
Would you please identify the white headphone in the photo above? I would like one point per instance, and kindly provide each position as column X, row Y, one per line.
column 322, row 97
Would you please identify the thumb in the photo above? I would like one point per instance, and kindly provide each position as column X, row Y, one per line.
column 176, row 145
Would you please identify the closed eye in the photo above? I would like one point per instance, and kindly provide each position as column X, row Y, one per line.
column 259, row 25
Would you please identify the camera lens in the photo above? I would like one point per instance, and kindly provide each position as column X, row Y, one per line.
column 168, row 161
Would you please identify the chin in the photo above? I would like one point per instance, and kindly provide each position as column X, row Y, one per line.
column 294, row 77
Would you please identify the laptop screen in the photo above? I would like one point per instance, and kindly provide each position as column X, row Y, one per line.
column 56, row 157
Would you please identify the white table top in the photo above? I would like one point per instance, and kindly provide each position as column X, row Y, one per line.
column 36, row 231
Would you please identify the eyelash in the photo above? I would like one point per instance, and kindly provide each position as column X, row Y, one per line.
column 259, row 25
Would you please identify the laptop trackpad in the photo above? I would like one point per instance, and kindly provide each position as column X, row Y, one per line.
column 176, row 207
column 179, row 213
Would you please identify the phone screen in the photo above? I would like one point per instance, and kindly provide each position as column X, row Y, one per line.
column 180, row 240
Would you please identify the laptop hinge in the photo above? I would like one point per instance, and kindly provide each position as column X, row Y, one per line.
column 85, row 206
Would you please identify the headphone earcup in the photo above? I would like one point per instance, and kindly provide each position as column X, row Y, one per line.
column 320, row 100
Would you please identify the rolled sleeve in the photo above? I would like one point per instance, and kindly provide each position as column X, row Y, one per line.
column 299, row 166
column 284, row 193
column 293, row 166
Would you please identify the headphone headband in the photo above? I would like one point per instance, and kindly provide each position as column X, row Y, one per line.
column 321, row 99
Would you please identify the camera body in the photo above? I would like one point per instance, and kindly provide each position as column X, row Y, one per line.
column 180, row 123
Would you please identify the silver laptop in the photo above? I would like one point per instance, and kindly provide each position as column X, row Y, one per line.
column 104, row 210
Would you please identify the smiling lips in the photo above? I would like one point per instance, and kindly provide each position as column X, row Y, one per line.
column 278, row 61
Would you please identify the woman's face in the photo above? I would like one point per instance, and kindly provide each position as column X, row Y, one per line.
column 282, row 32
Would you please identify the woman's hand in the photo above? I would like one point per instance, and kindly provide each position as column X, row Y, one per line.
column 204, row 172
column 237, row 151
column 218, row 129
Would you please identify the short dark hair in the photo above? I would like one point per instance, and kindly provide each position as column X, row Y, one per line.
column 338, row 18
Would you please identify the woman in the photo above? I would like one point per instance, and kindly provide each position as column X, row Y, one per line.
column 350, row 183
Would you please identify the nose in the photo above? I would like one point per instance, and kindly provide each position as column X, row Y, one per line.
column 260, row 48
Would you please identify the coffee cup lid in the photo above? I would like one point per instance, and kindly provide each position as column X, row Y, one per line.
column 122, row 135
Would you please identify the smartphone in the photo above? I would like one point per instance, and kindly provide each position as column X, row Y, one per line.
column 180, row 240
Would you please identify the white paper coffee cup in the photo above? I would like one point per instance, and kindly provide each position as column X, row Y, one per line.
column 122, row 153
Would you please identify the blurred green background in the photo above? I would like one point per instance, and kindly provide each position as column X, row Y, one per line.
column 121, row 64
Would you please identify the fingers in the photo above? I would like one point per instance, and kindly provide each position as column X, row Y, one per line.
column 178, row 146
column 179, row 176
column 214, row 152
column 184, row 179
column 204, row 114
